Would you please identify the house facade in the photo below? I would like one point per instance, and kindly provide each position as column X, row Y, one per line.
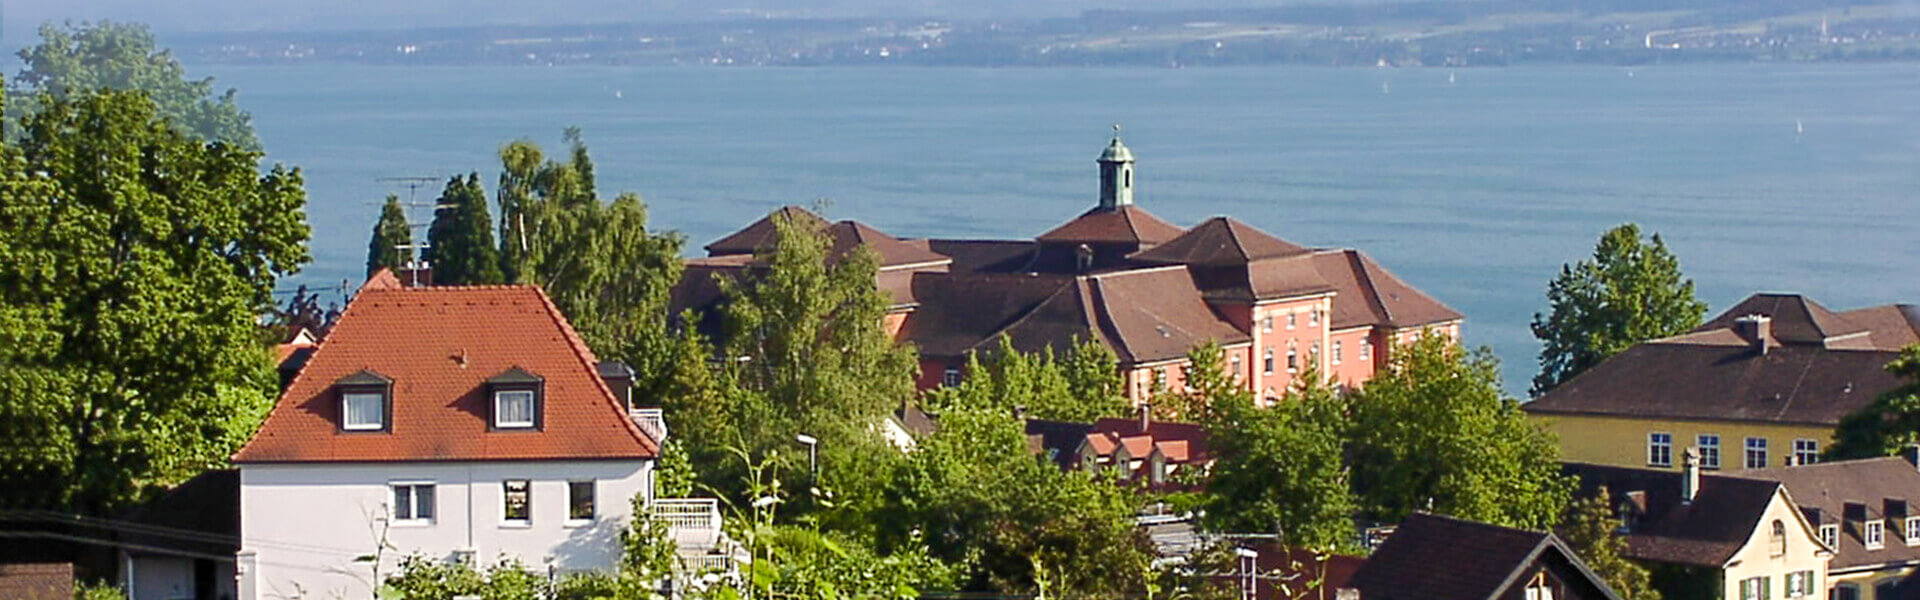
column 1762, row 385
column 1868, row 511
column 454, row 423
column 1118, row 275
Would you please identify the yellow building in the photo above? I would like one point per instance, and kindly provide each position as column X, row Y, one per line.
column 1762, row 385
column 1861, row 509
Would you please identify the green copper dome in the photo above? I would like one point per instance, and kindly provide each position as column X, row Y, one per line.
column 1116, row 151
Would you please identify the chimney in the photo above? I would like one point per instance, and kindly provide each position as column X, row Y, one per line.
column 1690, row 476
column 1146, row 416
column 1911, row 452
column 619, row 378
column 1755, row 328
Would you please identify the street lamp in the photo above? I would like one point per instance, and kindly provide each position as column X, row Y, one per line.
column 813, row 453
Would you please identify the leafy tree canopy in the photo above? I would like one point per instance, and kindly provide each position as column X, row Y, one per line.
column 134, row 262
column 1891, row 422
column 1083, row 385
column 1631, row 291
column 1282, row 469
column 1433, row 431
column 1589, row 529
column 78, row 59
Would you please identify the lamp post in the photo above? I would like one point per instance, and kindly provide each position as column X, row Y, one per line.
column 813, row 454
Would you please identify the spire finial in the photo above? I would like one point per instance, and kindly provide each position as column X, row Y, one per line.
column 1116, row 131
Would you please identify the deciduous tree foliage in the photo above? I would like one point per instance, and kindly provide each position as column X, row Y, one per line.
column 460, row 239
column 134, row 261
column 1280, row 469
column 1630, row 292
column 79, row 59
column 1083, row 385
column 1891, row 422
column 1589, row 529
column 390, row 233
column 1433, row 431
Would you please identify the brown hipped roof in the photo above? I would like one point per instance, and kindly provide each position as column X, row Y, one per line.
column 842, row 237
column 761, row 234
column 1219, row 241
column 1796, row 319
column 439, row 346
column 1724, row 514
column 1431, row 557
column 1128, row 224
column 1369, row 294
column 1144, row 315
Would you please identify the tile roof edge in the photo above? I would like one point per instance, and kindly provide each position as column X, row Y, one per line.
column 591, row 364
column 235, row 457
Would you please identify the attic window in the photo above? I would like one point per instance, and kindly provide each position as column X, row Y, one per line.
column 1876, row 534
column 515, row 399
column 1830, row 535
column 364, row 404
column 1913, row 531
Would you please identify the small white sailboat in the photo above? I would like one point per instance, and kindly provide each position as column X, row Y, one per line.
column 1450, row 79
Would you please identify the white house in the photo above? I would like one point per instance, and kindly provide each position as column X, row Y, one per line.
column 450, row 422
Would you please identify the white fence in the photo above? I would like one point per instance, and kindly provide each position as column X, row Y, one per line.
column 650, row 421
column 694, row 523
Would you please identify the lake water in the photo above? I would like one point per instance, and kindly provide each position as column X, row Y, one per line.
column 1475, row 185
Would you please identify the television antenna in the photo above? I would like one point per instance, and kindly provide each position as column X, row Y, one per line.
column 413, row 250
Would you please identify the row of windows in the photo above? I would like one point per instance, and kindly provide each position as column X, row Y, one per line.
column 1798, row 584
column 366, row 401
column 1660, row 451
column 1873, row 533
column 413, row 502
column 1293, row 320
column 1886, row 589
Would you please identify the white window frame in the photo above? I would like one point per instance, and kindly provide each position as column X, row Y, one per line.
column 1292, row 320
column 1234, row 361
column 1709, row 445
column 1313, row 318
column 1913, row 531
column 1659, row 449
column 1336, row 352
column 500, row 414
column 1875, row 535
column 413, row 518
column 505, row 490
column 1366, row 349
column 1806, row 451
column 593, row 502
column 1751, row 446
column 1266, row 323
column 1293, row 359
column 950, row 377
column 1267, row 361
column 1830, row 535
column 379, row 411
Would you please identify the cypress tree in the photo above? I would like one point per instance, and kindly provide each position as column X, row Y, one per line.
column 389, row 234
column 461, row 236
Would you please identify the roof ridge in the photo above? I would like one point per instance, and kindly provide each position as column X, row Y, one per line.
column 590, row 362
column 1366, row 281
column 1233, row 233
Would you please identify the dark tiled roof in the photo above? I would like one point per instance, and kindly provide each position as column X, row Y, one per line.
column 1127, row 224
column 1059, row 438
column 1369, row 294
column 1893, row 326
column 761, row 234
column 1724, row 513
column 1670, row 380
column 891, row 251
column 208, row 504
column 36, row 581
column 439, row 346
column 1827, row 487
column 1145, row 315
column 961, row 311
column 996, row 256
column 1430, row 557
column 1219, row 241
column 1796, row 319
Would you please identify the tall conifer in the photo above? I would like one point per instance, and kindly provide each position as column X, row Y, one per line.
column 461, row 236
column 390, row 233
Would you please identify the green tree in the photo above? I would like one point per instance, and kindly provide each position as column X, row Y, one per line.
column 460, row 239
column 134, row 264
column 1282, row 469
column 79, row 59
column 390, row 233
column 1589, row 529
column 1083, row 385
column 1015, row 524
column 1891, row 422
column 1433, row 431
column 1630, row 292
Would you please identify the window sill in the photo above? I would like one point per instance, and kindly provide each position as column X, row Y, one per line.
column 412, row 523
column 577, row 523
column 516, row 524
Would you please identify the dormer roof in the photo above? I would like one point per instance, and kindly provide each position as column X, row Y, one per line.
column 1125, row 224
column 441, row 348
column 1219, row 241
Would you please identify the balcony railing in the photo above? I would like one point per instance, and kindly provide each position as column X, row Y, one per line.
column 694, row 523
column 650, row 421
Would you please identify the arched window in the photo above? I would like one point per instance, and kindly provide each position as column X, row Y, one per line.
column 1777, row 541
column 1129, row 178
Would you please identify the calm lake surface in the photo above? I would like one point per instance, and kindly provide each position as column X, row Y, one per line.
column 1475, row 185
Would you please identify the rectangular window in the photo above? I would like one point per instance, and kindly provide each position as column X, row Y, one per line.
column 1756, row 453
column 950, row 377
column 513, row 409
column 1235, row 368
column 1793, row 584
column 413, row 502
column 580, row 500
column 1660, row 449
column 1366, row 349
column 1806, row 583
column 1293, row 360
column 364, row 411
column 1336, row 352
column 1292, row 319
column 1313, row 318
column 1806, row 452
column 1709, row 444
column 1750, row 588
column 516, row 501
column 1269, row 360
column 1830, row 535
column 1913, row 531
column 1266, row 324
column 1876, row 536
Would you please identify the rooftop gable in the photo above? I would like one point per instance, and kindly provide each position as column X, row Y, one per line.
column 762, row 233
column 1796, row 319
column 1431, row 557
column 1126, row 224
column 1724, row 513
column 1823, row 491
column 1219, row 241
column 439, row 346
column 1369, row 294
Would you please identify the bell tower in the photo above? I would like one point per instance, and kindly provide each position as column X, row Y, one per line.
column 1116, row 174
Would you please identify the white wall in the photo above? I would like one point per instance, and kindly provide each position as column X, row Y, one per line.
column 302, row 524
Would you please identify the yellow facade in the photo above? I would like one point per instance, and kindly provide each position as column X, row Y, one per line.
column 1773, row 563
column 1625, row 441
column 1865, row 581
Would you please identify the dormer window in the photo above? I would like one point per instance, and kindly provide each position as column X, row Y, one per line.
column 515, row 399
column 1913, row 531
column 1876, row 535
column 1830, row 535
column 365, row 401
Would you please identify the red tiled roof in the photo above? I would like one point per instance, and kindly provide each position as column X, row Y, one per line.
column 1126, row 224
column 439, row 346
column 36, row 581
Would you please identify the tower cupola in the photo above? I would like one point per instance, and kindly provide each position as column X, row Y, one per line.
column 1116, row 174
